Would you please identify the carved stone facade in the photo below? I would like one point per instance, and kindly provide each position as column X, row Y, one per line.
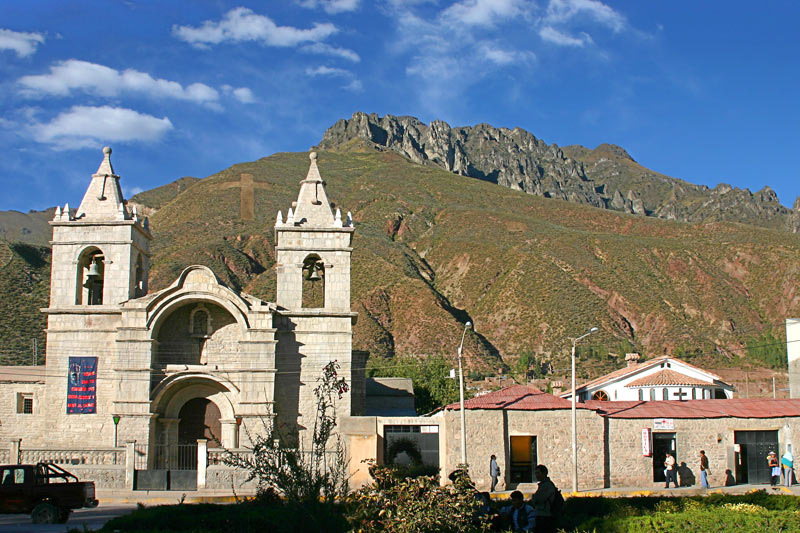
column 196, row 360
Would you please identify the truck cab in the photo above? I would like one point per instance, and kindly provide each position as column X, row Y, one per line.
column 45, row 490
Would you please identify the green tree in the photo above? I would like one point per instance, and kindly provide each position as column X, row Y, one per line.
column 433, row 387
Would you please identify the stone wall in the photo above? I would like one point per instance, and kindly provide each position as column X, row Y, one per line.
column 14, row 425
column 628, row 467
column 490, row 431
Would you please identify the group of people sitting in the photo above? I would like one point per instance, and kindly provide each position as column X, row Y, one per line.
column 539, row 514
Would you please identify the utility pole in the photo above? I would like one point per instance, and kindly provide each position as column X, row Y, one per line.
column 773, row 387
column 35, row 344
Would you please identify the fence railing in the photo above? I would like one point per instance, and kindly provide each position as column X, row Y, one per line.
column 5, row 456
column 174, row 457
column 113, row 456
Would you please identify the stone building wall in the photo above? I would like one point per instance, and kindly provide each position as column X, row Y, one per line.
column 628, row 467
column 14, row 425
column 489, row 432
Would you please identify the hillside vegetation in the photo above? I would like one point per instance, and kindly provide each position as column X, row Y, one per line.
column 433, row 249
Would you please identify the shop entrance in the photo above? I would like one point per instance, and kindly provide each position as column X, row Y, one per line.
column 662, row 443
column 751, row 460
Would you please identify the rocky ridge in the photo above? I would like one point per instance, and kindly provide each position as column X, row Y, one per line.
column 606, row 177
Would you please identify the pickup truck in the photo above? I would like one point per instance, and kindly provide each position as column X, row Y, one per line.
column 46, row 491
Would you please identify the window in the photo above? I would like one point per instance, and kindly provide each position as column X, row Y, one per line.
column 665, row 394
column 200, row 322
column 13, row 476
column 25, row 403
column 91, row 273
column 641, row 395
column 600, row 395
column 694, row 394
column 652, row 395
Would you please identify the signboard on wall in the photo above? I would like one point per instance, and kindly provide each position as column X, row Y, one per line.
column 663, row 423
column 82, row 385
column 647, row 434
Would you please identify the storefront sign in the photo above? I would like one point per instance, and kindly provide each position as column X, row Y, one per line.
column 663, row 423
column 646, row 440
column 82, row 385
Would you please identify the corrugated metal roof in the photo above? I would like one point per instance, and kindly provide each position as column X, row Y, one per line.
column 735, row 408
column 667, row 377
column 516, row 398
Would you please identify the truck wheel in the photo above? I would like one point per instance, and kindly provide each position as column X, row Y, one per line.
column 44, row 513
column 63, row 515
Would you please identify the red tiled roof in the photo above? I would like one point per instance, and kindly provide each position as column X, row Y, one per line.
column 516, row 398
column 735, row 408
column 667, row 377
column 634, row 368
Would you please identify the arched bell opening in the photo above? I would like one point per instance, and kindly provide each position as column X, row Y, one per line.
column 313, row 282
column 140, row 283
column 91, row 277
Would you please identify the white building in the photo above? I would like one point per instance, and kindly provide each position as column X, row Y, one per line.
column 662, row 378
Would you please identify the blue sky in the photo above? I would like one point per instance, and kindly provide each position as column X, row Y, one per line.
column 703, row 91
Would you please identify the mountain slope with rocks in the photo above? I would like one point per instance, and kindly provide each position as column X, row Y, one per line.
column 605, row 177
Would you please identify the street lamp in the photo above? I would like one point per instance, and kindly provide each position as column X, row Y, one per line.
column 461, row 395
column 574, row 419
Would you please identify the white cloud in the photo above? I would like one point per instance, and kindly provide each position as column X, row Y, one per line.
column 552, row 35
column 326, row 49
column 74, row 74
column 482, row 12
column 85, row 126
column 353, row 84
column 242, row 94
column 502, row 56
column 564, row 11
column 331, row 6
column 242, row 24
column 322, row 70
column 24, row 44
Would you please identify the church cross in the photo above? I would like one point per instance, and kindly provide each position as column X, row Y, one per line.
column 247, row 195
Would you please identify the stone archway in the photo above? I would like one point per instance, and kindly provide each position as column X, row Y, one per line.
column 199, row 418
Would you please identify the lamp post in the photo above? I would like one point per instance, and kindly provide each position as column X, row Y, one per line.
column 574, row 419
column 461, row 396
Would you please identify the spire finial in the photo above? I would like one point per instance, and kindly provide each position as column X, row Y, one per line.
column 105, row 166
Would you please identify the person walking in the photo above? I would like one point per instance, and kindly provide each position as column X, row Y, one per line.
column 494, row 471
column 703, row 469
column 788, row 465
column 774, row 469
column 669, row 471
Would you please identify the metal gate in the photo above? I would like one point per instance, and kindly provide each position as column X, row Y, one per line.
column 751, row 460
column 165, row 467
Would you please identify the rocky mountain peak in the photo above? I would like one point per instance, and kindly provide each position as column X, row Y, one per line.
column 606, row 177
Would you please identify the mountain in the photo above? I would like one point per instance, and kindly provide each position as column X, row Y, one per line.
column 604, row 177
column 433, row 249
column 30, row 227
column 24, row 288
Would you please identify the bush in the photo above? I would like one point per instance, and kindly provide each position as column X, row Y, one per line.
column 412, row 505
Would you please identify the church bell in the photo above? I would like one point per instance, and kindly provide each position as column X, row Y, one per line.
column 313, row 273
column 94, row 269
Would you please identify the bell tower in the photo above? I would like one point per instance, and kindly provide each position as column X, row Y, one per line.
column 101, row 252
column 315, row 324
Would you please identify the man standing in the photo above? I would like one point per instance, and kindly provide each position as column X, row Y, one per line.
column 543, row 502
column 669, row 465
column 703, row 469
column 494, row 471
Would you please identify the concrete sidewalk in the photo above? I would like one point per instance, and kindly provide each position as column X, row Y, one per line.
column 660, row 491
column 172, row 497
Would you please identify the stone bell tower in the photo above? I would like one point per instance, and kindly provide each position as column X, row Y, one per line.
column 101, row 258
column 315, row 325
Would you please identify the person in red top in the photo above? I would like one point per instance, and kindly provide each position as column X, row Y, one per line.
column 774, row 468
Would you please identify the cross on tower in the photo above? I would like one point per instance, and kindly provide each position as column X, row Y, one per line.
column 247, row 196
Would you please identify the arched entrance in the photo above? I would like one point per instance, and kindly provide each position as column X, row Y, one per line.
column 199, row 418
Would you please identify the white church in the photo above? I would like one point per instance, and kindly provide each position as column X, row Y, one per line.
column 196, row 360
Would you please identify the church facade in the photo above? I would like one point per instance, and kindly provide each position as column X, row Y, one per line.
column 195, row 360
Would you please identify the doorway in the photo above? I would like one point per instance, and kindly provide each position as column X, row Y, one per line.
column 662, row 443
column 523, row 459
column 751, row 463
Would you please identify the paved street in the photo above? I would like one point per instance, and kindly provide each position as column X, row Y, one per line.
column 93, row 519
